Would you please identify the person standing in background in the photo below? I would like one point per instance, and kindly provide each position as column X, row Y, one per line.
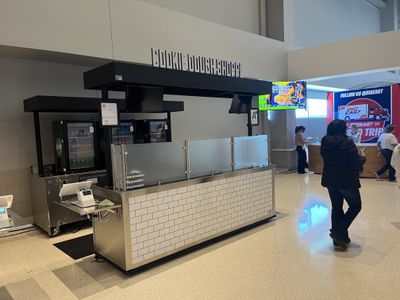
column 386, row 144
column 395, row 162
column 355, row 134
column 301, row 152
column 342, row 167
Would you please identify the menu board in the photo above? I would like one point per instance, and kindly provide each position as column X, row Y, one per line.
column 109, row 114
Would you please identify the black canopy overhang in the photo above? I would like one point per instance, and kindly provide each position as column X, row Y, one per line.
column 145, row 85
column 83, row 105
column 117, row 76
column 46, row 104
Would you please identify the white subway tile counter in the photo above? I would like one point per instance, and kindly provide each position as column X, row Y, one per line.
column 156, row 223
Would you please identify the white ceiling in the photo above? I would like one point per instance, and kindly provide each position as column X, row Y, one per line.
column 366, row 80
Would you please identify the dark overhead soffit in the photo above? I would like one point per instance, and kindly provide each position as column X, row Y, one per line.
column 116, row 76
column 82, row 104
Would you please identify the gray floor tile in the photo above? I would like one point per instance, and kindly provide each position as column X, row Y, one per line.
column 26, row 289
column 78, row 281
column 4, row 294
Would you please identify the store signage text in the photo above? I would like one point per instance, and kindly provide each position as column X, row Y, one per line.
column 361, row 93
column 193, row 63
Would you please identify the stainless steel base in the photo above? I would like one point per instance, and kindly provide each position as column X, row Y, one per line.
column 112, row 233
column 47, row 215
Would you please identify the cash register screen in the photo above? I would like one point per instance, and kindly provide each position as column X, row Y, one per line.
column 2, row 210
column 86, row 193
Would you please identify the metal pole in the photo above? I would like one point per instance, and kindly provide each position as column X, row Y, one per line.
column 187, row 159
column 124, row 154
column 233, row 153
column 39, row 155
column 169, row 131
column 107, row 143
column 249, row 127
column 113, row 169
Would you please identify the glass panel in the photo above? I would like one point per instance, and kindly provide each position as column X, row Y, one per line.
column 157, row 162
column 123, row 134
column 158, row 132
column 301, row 113
column 251, row 151
column 81, row 145
column 209, row 157
column 117, row 167
column 317, row 108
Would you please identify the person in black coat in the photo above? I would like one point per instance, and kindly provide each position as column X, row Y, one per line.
column 342, row 167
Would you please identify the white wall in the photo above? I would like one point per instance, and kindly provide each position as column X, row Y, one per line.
column 73, row 26
column 315, row 127
column 20, row 79
column 375, row 52
column 239, row 14
column 325, row 21
column 141, row 26
column 127, row 29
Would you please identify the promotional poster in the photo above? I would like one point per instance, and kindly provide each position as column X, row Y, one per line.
column 369, row 109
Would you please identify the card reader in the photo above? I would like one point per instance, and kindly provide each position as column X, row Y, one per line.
column 85, row 198
column 82, row 191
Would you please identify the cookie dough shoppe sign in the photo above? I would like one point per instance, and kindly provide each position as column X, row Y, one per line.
column 370, row 109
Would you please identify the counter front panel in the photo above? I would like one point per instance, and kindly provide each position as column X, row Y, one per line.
column 159, row 221
column 374, row 160
column 165, row 222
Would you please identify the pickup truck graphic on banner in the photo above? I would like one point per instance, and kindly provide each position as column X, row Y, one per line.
column 369, row 109
column 362, row 112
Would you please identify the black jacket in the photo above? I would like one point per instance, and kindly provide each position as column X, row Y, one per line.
column 342, row 163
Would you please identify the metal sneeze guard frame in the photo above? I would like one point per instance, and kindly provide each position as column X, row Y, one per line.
column 242, row 155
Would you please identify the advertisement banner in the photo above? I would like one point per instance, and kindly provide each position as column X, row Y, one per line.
column 369, row 109
column 288, row 95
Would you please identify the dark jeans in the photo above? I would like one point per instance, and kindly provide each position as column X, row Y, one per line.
column 301, row 160
column 387, row 154
column 341, row 221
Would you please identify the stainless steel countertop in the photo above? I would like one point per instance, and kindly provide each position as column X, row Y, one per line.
column 117, row 196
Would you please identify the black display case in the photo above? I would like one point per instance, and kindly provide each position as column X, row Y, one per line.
column 76, row 147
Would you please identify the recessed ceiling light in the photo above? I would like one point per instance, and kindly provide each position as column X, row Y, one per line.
column 324, row 88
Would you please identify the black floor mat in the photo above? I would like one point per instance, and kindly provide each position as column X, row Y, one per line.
column 78, row 247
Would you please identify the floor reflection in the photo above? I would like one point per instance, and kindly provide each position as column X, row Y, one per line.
column 314, row 213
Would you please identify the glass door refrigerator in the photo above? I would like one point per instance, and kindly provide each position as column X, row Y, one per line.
column 76, row 147
column 124, row 133
column 152, row 131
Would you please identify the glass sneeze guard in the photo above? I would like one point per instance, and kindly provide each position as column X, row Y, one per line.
column 139, row 165
column 208, row 157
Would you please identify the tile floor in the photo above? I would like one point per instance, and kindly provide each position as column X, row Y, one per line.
column 291, row 257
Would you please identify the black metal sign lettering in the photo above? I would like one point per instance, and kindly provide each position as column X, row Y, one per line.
column 193, row 63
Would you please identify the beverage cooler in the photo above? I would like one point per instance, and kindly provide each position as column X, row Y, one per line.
column 124, row 133
column 76, row 147
column 152, row 131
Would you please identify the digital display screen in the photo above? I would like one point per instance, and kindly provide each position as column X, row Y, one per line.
column 86, row 193
column 264, row 101
column 285, row 95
